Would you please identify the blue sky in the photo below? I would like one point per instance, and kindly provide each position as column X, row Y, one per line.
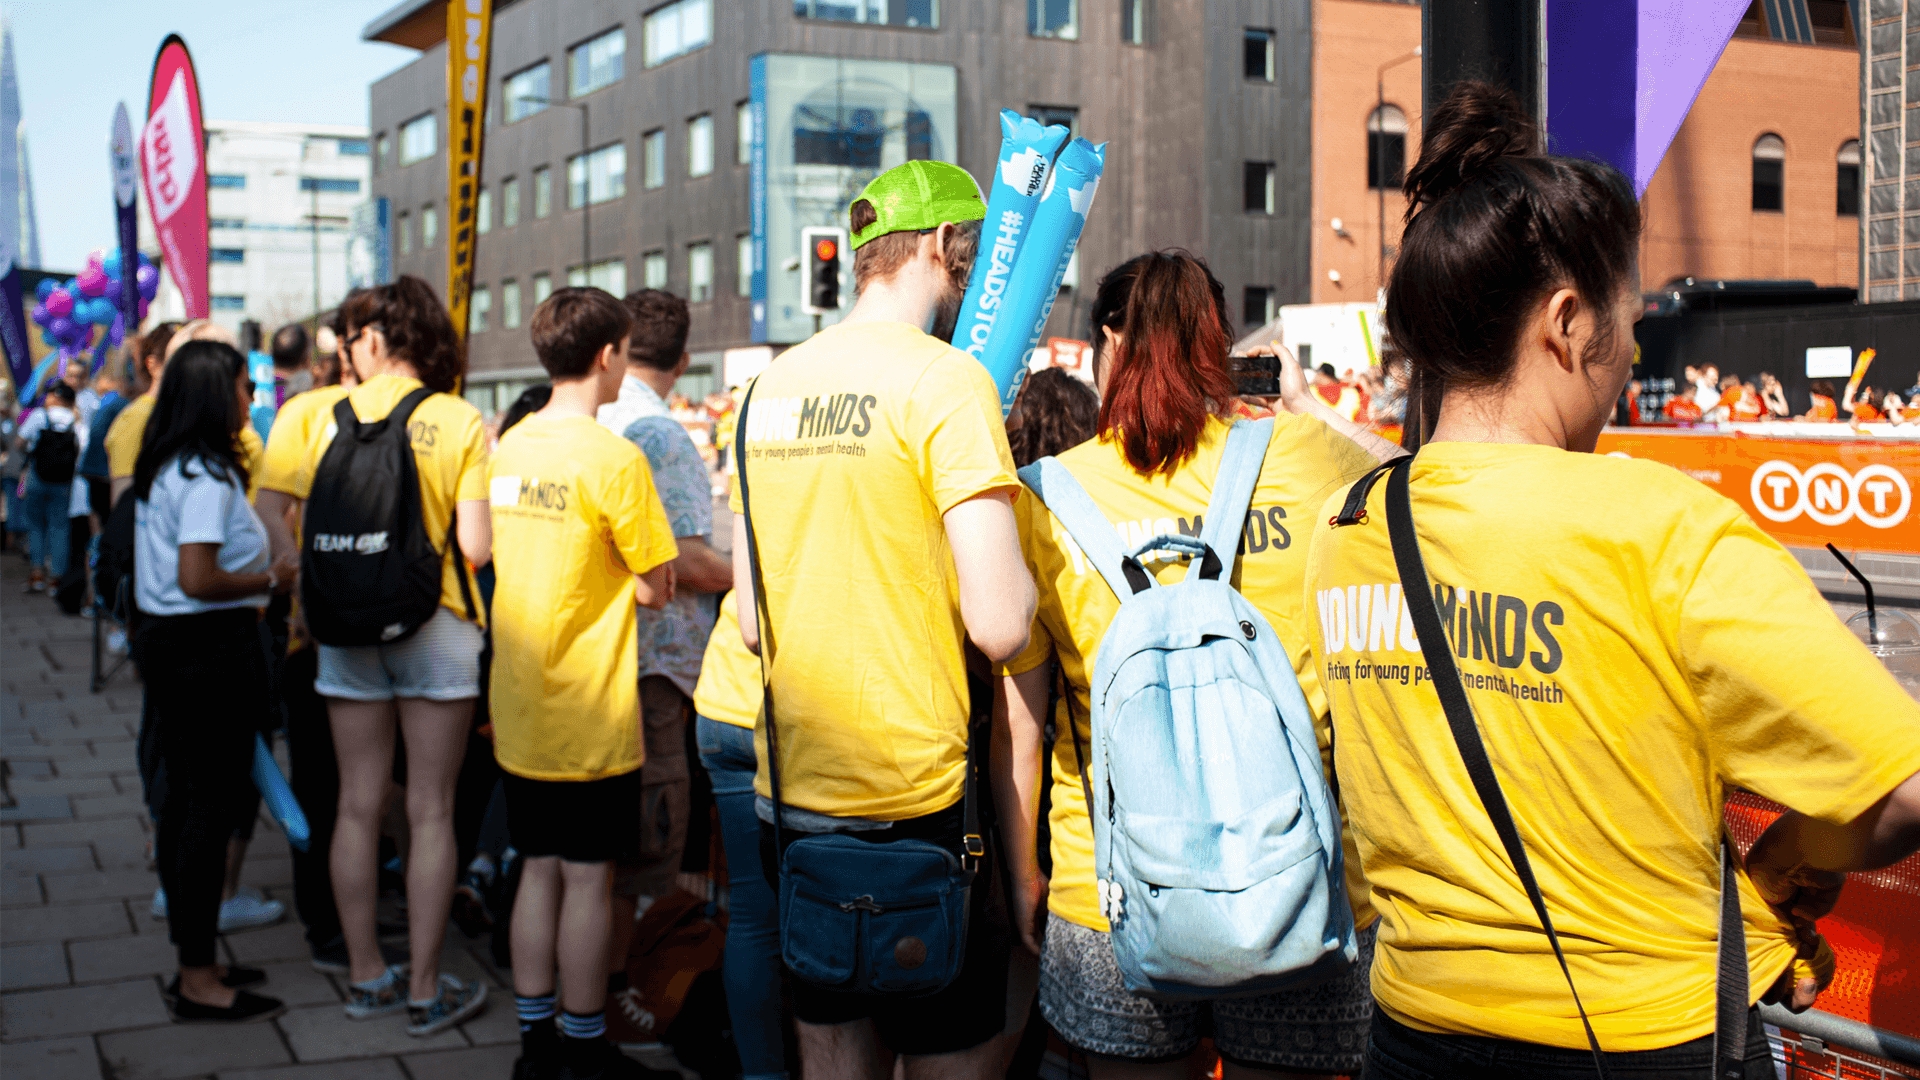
column 298, row 62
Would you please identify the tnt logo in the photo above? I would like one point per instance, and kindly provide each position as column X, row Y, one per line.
column 1878, row 495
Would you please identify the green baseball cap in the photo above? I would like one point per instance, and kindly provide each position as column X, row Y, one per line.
column 920, row 195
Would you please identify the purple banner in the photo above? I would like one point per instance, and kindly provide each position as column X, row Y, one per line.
column 13, row 321
column 126, row 187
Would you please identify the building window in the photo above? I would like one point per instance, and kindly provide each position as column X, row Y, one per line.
column 924, row 14
column 229, row 302
column 1070, row 277
column 510, row 305
column 429, row 225
column 528, row 90
column 509, row 202
column 700, row 145
column 329, row 185
column 743, row 133
column 1054, row 19
column 1386, row 148
column 1065, row 116
column 226, row 181
column 542, row 288
column 483, row 212
column 653, row 149
column 351, row 147
column 1769, row 173
column 1258, row 187
column 479, row 305
column 419, row 138
column 227, row 255
column 542, row 191
column 597, row 176
column 699, row 272
column 1259, row 55
column 403, row 225
column 677, row 29
column 855, row 137
column 1133, row 22
column 653, row 270
column 1846, row 200
column 597, row 63
column 743, row 264
column 226, row 223
column 382, row 151
column 608, row 274
column 1256, row 307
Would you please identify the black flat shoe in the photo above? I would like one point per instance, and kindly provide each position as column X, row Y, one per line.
column 237, row 978
column 247, row 1008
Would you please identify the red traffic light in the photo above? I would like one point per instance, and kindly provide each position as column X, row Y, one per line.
column 825, row 249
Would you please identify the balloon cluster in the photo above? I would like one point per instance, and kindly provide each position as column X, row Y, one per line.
column 67, row 313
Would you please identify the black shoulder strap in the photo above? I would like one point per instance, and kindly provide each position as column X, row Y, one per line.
column 1354, row 510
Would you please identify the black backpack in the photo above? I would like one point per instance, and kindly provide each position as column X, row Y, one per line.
column 369, row 573
column 113, row 569
column 54, row 455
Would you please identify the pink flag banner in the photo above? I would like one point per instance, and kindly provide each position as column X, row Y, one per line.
column 174, row 172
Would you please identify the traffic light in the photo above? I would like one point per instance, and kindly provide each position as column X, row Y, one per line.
column 823, row 246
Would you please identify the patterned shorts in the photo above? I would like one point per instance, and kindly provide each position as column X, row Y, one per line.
column 1317, row 1029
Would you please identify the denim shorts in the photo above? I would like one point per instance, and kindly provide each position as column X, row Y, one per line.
column 440, row 662
column 1320, row 1029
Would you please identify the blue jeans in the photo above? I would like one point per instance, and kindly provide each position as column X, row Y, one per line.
column 1398, row 1052
column 753, row 928
column 44, row 515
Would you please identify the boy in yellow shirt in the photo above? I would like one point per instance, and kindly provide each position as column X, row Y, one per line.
column 579, row 538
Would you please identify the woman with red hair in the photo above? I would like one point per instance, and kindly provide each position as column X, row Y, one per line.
column 1169, row 396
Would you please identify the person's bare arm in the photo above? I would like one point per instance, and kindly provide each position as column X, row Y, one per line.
column 117, row 487
column 274, row 508
column 996, row 592
column 746, row 602
column 1297, row 397
column 202, row 579
column 700, row 568
column 1019, row 713
column 475, row 529
column 654, row 589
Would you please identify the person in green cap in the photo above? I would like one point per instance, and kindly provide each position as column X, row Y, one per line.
column 881, row 497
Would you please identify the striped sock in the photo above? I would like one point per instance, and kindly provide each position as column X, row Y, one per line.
column 539, row 1040
column 532, row 1010
column 589, row 1026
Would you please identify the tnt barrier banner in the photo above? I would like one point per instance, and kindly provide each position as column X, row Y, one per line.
column 13, row 325
column 1853, row 492
column 175, row 172
column 1041, row 264
column 469, row 28
column 1026, row 160
column 126, row 185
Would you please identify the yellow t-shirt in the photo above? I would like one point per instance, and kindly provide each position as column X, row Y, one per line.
column 1632, row 645
column 296, row 427
column 1305, row 461
column 858, row 441
column 730, row 689
column 130, row 427
column 449, row 451
column 575, row 517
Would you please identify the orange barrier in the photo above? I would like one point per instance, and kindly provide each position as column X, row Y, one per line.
column 1854, row 491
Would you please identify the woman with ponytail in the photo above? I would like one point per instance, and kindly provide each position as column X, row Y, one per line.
column 1629, row 644
column 1162, row 343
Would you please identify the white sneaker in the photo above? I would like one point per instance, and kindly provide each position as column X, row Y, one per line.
column 159, row 905
column 244, row 912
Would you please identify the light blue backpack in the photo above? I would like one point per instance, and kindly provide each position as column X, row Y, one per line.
column 1215, row 840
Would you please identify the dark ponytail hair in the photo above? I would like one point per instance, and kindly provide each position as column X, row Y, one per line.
column 1169, row 373
column 1493, row 225
column 194, row 417
column 416, row 326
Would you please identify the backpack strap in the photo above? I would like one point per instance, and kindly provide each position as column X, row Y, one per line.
column 1074, row 509
column 1233, row 484
column 1354, row 510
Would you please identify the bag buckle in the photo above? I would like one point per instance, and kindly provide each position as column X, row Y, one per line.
column 863, row 903
column 976, row 847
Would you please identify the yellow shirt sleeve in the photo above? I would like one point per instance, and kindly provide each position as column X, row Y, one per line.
column 123, row 438
column 1796, row 708
column 953, row 418
column 637, row 522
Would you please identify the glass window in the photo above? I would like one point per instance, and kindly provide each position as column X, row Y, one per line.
column 509, row 202
column 653, row 147
column 227, row 255
column 1386, row 148
column 743, row 133
column 1133, row 22
column 1070, row 278
column 1065, row 116
column 1259, row 55
column 528, row 90
column 1846, row 201
column 328, row 185
column 676, row 29
column 510, row 305
column 542, row 288
column 229, row 302
column 403, row 224
column 429, row 225
column 1256, row 307
column 1258, row 187
column 597, row 176
column 700, row 145
column 483, row 211
column 226, row 223
column 917, row 13
column 478, row 307
column 1769, row 173
column 653, row 270
column 351, row 147
column 1054, row 18
column 856, row 136
column 743, row 264
column 419, row 138
column 226, row 181
column 608, row 274
column 542, row 191
column 699, row 272
column 382, row 147
column 597, row 63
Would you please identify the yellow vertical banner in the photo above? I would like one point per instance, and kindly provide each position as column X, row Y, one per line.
column 469, row 29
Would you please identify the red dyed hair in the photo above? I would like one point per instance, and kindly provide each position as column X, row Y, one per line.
column 1168, row 373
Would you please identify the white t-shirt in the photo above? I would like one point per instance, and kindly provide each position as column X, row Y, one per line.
column 196, row 509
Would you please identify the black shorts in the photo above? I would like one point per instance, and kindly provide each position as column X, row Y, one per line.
column 582, row 821
column 973, row 1008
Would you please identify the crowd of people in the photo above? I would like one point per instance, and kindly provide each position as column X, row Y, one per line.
column 889, row 689
column 1706, row 396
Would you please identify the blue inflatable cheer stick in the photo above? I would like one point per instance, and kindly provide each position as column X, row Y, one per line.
column 278, row 796
column 1026, row 158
